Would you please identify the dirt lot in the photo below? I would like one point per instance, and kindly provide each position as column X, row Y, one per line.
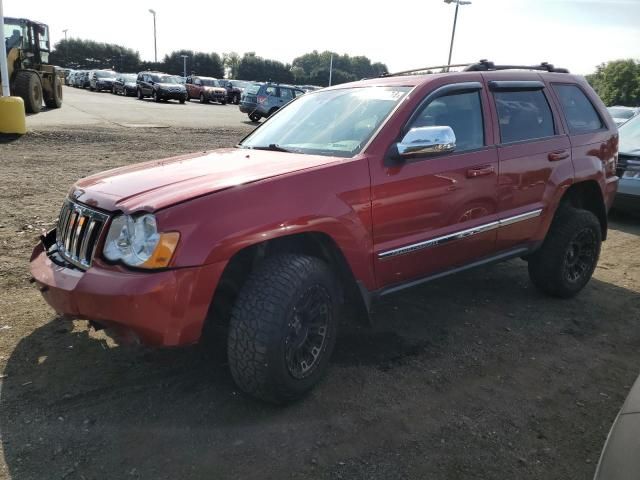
column 476, row 376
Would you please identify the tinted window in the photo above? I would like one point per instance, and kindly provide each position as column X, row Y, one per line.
column 579, row 112
column 286, row 94
column 462, row 112
column 523, row 115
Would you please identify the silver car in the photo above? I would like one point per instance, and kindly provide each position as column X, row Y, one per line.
column 621, row 115
column 628, row 196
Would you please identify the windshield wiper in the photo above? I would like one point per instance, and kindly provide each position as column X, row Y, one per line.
column 274, row 147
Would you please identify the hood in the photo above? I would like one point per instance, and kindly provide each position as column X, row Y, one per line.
column 216, row 89
column 169, row 85
column 130, row 84
column 154, row 185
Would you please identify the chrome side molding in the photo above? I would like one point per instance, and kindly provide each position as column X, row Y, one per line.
column 433, row 242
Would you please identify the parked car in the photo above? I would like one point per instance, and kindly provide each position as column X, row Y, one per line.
column 347, row 195
column 82, row 79
column 628, row 196
column 124, row 84
column 622, row 114
column 101, row 80
column 206, row 89
column 233, row 93
column 160, row 86
column 263, row 100
column 68, row 76
column 619, row 459
column 77, row 78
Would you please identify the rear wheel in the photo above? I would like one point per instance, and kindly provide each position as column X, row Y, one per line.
column 569, row 255
column 283, row 327
column 29, row 87
column 254, row 117
column 53, row 99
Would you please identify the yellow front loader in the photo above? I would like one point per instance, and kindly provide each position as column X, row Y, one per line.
column 31, row 77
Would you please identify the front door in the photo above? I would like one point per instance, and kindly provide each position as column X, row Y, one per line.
column 433, row 213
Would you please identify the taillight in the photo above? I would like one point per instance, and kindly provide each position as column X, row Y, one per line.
column 262, row 98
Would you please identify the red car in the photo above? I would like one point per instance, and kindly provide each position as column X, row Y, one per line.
column 345, row 195
column 205, row 89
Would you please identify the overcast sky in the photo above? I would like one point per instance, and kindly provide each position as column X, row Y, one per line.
column 403, row 34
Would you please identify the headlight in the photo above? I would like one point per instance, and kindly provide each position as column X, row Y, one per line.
column 137, row 242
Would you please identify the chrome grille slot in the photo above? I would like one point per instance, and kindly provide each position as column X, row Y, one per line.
column 78, row 232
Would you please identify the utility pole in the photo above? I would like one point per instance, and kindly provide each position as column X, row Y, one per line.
column 455, row 20
column 66, row 47
column 330, row 69
column 4, row 69
column 184, row 60
column 155, row 37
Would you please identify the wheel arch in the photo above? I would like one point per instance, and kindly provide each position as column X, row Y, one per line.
column 587, row 195
column 313, row 243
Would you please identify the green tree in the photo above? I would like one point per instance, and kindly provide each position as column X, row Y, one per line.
column 313, row 68
column 253, row 67
column 617, row 82
column 198, row 63
column 231, row 61
column 87, row 54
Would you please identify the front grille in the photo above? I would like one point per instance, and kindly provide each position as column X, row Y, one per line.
column 78, row 231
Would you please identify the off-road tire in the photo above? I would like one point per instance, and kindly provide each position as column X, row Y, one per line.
column 28, row 86
column 263, row 321
column 553, row 265
column 55, row 100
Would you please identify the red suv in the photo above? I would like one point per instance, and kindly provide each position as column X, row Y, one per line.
column 345, row 195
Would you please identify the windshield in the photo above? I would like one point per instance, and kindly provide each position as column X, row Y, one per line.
column 210, row 82
column 332, row 123
column 253, row 89
column 621, row 112
column 163, row 79
column 630, row 136
column 15, row 34
column 101, row 74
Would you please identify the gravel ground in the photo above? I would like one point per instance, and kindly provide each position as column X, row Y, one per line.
column 476, row 376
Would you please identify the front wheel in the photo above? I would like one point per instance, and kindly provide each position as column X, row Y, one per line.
column 155, row 96
column 569, row 255
column 283, row 327
column 140, row 95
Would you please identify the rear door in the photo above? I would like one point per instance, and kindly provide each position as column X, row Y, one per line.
column 534, row 154
column 435, row 213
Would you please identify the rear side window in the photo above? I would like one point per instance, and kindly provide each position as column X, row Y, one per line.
column 578, row 110
column 271, row 91
column 523, row 115
column 462, row 112
column 286, row 94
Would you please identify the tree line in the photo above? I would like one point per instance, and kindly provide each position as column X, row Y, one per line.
column 617, row 82
column 309, row 69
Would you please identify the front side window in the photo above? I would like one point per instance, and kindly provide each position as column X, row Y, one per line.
column 462, row 112
column 333, row 123
column 523, row 115
column 579, row 112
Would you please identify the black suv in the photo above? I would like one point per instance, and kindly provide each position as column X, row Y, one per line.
column 160, row 86
column 233, row 92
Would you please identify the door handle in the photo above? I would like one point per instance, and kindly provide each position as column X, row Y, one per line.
column 558, row 155
column 480, row 171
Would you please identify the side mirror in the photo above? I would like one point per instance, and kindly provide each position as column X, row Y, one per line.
column 427, row 141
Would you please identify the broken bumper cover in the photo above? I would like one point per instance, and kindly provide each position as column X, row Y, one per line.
column 163, row 308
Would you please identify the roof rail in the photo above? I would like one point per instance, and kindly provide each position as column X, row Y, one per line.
column 486, row 65
column 425, row 69
column 481, row 66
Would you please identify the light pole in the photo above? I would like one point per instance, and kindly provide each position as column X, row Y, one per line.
column 330, row 69
column 65, row 33
column 66, row 47
column 155, row 40
column 184, row 60
column 455, row 19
